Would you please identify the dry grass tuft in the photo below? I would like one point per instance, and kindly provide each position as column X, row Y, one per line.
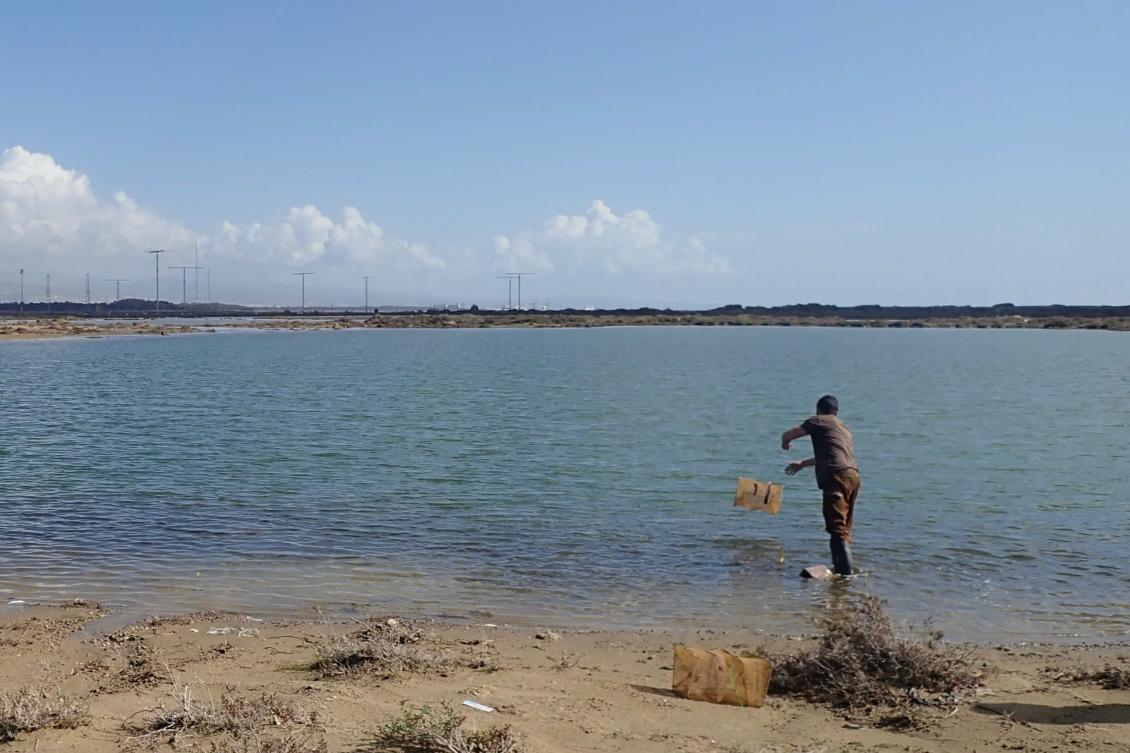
column 143, row 668
column 860, row 667
column 27, row 710
column 428, row 730
column 383, row 649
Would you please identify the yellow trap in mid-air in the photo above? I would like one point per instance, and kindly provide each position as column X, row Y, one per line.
column 758, row 495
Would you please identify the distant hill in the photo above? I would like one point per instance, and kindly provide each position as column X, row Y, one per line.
column 870, row 312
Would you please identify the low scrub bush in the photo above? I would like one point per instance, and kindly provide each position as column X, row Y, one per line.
column 260, row 723
column 428, row 730
column 384, row 649
column 28, row 710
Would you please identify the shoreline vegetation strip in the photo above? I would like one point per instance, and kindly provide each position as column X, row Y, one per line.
column 67, row 326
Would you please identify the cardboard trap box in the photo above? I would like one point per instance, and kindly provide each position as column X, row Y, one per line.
column 720, row 677
column 758, row 495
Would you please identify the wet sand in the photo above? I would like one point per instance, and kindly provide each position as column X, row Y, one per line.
column 561, row 693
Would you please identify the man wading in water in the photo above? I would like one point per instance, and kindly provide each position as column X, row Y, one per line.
column 837, row 475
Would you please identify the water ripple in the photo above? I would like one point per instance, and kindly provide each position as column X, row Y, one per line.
column 573, row 476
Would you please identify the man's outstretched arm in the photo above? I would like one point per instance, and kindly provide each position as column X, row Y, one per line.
column 792, row 435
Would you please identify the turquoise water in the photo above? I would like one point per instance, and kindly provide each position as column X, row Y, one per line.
column 569, row 476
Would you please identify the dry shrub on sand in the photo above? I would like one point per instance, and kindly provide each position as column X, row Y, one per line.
column 244, row 718
column 787, row 749
column 428, row 730
column 384, row 649
column 27, row 710
column 860, row 667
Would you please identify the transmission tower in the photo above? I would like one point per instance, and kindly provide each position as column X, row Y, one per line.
column 511, row 277
column 303, row 275
column 184, row 283
column 157, row 259
column 117, row 288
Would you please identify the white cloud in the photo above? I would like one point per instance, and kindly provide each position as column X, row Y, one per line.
column 603, row 241
column 636, row 228
column 520, row 255
column 697, row 259
column 53, row 221
column 46, row 209
column 305, row 237
column 51, row 214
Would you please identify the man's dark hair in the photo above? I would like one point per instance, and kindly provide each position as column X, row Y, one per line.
column 827, row 406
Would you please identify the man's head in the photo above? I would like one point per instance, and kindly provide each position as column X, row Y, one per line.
column 827, row 406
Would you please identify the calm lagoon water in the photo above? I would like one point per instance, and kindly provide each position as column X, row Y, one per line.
column 569, row 476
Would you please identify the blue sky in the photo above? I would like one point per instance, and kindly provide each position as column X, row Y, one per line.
column 661, row 153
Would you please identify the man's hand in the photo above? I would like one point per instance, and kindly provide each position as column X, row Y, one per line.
column 793, row 469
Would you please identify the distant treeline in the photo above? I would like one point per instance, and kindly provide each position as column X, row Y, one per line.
column 813, row 310
column 137, row 307
column 127, row 307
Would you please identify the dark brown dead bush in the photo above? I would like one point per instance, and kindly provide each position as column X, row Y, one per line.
column 1109, row 677
column 862, row 668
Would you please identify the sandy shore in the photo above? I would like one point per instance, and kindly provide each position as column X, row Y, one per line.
column 573, row 691
column 25, row 329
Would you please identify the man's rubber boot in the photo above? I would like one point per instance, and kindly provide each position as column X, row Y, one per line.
column 841, row 557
